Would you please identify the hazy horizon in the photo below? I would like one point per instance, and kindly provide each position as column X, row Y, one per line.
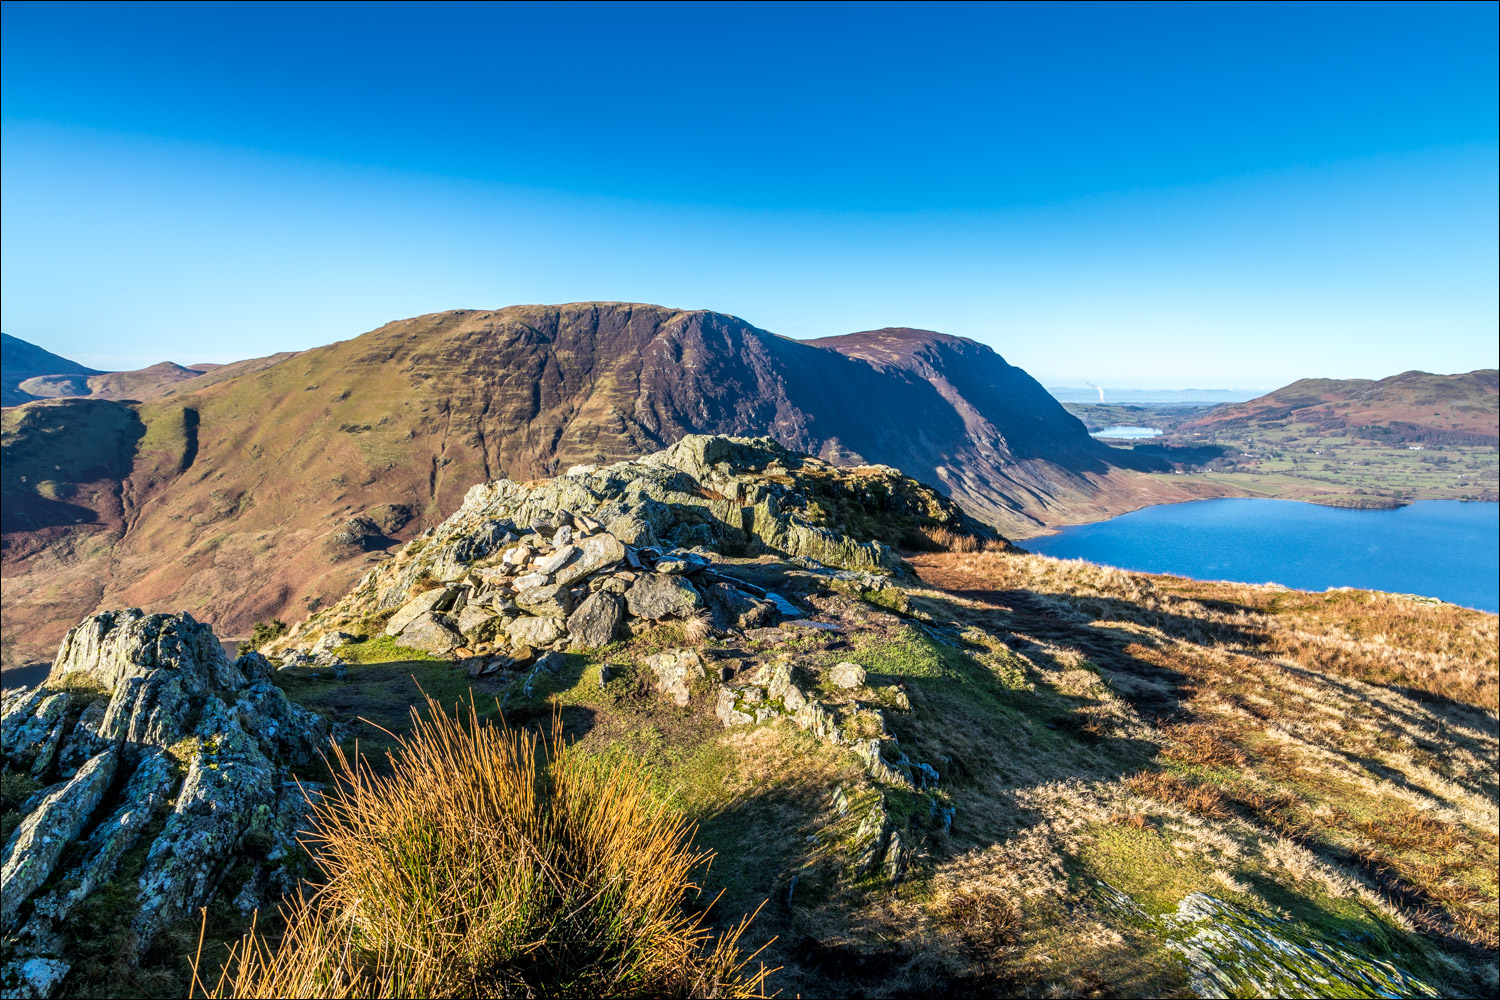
column 1142, row 196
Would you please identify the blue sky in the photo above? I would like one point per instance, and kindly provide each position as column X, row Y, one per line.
column 1143, row 195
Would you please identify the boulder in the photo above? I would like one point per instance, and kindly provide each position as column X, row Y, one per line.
column 674, row 670
column 431, row 633
column 780, row 688
column 479, row 623
column 596, row 621
column 550, row 601
column 656, row 596
column 728, row 708
column 529, row 631
column 734, row 609
column 424, row 602
column 847, row 675
column 594, row 553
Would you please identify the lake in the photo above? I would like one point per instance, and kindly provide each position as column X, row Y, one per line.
column 1128, row 433
column 1447, row 549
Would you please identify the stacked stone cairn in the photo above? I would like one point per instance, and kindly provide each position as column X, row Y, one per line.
column 580, row 560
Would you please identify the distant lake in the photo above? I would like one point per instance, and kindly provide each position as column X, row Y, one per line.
column 1447, row 549
column 1127, row 432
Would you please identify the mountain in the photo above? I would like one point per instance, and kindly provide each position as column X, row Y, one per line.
column 274, row 488
column 1410, row 408
column 52, row 377
column 20, row 361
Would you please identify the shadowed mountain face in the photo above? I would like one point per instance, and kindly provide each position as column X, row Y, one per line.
column 264, row 492
column 1410, row 408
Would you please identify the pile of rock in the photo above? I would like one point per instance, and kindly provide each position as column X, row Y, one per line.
column 145, row 732
column 563, row 582
column 703, row 495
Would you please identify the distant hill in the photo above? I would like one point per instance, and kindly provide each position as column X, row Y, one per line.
column 20, row 361
column 53, row 377
column 1410, row 408
column 1150, row 397
column 251, row 480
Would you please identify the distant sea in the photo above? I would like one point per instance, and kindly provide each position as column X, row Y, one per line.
column 1448, row 549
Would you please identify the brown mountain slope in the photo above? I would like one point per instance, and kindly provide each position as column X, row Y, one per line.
column 239, row 496
column 1410, row 408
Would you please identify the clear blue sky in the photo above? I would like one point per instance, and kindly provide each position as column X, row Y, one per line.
column 1139, row 195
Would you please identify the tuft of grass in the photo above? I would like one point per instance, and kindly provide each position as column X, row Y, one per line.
column 489, row 862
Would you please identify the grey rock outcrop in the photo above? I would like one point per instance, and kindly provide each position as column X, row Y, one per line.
column 674, row 672
column 166, row 733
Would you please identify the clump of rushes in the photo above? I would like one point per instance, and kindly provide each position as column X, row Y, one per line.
column 489, row 863
column 697, row 628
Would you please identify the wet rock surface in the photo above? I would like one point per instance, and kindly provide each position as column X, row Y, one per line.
column 143, row 724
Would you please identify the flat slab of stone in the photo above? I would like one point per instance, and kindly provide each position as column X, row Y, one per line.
column 529, row 631
column 421, row 604
column 431, row 634
column 593, row 554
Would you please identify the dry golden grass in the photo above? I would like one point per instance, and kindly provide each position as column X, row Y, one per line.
column 1356, row 728
column 1199, row 799
column 488, row 864
column 1374, row 637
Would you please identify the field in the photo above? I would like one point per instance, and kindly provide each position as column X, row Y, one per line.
column 1306, row 460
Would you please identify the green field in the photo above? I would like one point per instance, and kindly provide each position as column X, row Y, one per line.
column 1304, row 461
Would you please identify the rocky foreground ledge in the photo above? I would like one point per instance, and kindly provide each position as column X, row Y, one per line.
column 145, row 749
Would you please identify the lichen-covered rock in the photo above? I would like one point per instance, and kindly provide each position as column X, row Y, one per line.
column 729, row 709
column 846, row 675
column 596, row 620
column 479, row 623
column 549, row 601
column 594, row 553
column 142, row 694
column 674, row 671
column 431, row 633
column 534, row 632
column 655, row 596
column 419, row 605
column 34, row 849
column 779, row 687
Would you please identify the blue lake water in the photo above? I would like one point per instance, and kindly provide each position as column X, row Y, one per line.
column 1128, row 432
column 1437, row 548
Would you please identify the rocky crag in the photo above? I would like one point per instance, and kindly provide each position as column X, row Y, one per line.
column 145, row 750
